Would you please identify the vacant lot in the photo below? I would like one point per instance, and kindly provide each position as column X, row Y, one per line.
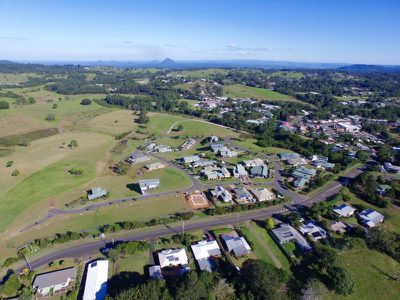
column 372, row 273
column 114, row 122
column 242, row 91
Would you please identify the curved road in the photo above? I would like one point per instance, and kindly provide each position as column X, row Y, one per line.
column 204, row 223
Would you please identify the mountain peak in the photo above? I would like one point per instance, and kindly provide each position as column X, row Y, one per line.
column 168, row 62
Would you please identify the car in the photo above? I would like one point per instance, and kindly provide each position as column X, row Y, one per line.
column 24, row 271
column 104, row 250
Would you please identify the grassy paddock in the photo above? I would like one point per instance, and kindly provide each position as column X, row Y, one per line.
column 242, row 91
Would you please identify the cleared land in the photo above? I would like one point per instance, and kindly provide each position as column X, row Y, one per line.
column 242, row 91
column 15, row 78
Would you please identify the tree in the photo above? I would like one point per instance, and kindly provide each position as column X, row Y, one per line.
column 143, row 118
column 11, row 286
column 269, row 223
column 341, row 281
column 180, row 127
column 259, row 280
column 73, row 144
column 121, row 168
column 4, row 105
column 86, row 101
column 192, row 288
column 384, row 154
column 223, row 291
column 9, row 163
column 50, row 117
column 54, row 106
column 15, row 173
column 362, row 156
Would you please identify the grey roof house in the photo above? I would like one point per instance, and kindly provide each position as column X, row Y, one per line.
column 96, row 192
column 286, row 233
column 148, row 184
column 236, row 245
column 55, row 281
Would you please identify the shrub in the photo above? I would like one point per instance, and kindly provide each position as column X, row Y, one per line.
column 86, row 101
column 73, row 144
column 50, row 117
column 75, row 171
column 54, row 106
column 4, row 105
column 9, row 163
column 15, row 173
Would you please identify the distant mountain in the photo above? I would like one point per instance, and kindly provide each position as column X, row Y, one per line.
column 167, row 63
column 359, row 68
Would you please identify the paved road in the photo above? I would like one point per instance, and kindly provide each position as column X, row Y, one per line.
column 94, row 246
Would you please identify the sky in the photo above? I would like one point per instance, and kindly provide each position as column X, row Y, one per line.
column 339, row 31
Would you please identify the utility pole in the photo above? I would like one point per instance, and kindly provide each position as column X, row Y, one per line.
column 183, row 227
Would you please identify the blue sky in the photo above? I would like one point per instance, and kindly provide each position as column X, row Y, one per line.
column 293, row 30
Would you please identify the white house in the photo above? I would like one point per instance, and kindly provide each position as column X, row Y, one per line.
column 172, row 258
column 263, row 195
column 344, row 210
column 253, row 162
column 53, row 281
column 148, row 184
column 370, row 217
column 96, row 280
column 204, row 251
column 312, row 230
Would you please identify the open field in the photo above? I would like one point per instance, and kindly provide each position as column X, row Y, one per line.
column 161, row 123
column 44, row 185
column 288, row 74
column 199, row 73
column 15, row 78
column 250, row 144
column 131, row 263
column 114, row 122
column 136, row 210
column 372, row 274
column 13, row 123
column 242, row 91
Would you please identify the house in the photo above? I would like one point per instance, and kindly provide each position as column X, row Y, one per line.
column 137, row 157
column 344, row 210
column 286, row 233
column 148, row 184
column 155, row 166
column 163, row 148
column 242, row 195
column 312, row 230
column 253, row 162
column 321, row 162
column 222, row 193
column 54, row 281
column 300, row 182
column 224, row 173
column 239, row 171
column 190, row 159
column 340, row 226
column 347, row 127
column 204, row 252
column 370, row 217
column 263, row 195
column 189, row 143
column 96, row 280
column 305, row 173
column 236, row 244
column 213, row 139
column 260, row 171
column 155, row 272
column 383, row 189
column 210, row 174
column 391, row 168
column 203, row 163
column 287, row 156
column 96, row 192
column 215, row 147
column 225, row 152
column 175, row 258
column 296, row 161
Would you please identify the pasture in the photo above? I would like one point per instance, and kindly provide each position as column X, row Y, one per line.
column 242, row 91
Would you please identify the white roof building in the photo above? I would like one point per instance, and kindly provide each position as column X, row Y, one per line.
column 370, row 217
column 263, row 195
column 344, row 210
column 96, row 280
column 203, row 251
column 253, row 162
column 172, row 257
column 314, row 231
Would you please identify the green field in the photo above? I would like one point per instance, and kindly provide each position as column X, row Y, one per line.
column 199, row 73
column 288, row 74
column 372, row 273
column 15, row 78
column 242, row 91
